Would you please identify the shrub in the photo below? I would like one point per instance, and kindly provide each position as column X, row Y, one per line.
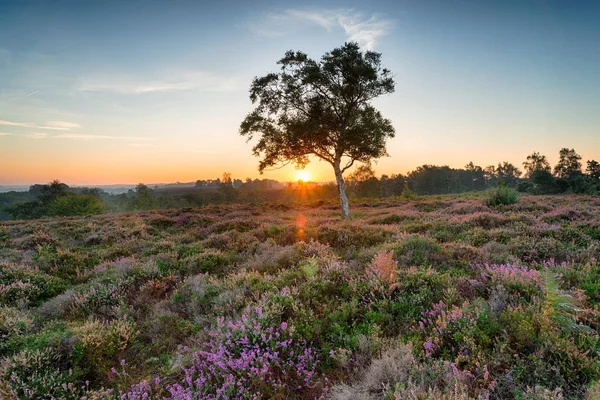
column 37, row 374
column 246, row 358
column 212, row 261
column 101, row 342
column 502, row 196
column 14, row 325
column 75, row 204
column 419, row 250
column 99, row 299
column 27, row 285
column 384, row 266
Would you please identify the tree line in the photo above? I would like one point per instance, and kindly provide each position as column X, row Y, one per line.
column 537, row 177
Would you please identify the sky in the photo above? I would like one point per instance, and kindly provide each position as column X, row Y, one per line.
column 104, row 92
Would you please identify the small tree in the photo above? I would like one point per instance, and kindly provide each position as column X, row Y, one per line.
column 322, row 109
column 593, row 170
column 226, row 187
column 364, row 183
column 536, row 162
column 569, row 164
column 144, row 198
column 75, row 204
column 507, row 174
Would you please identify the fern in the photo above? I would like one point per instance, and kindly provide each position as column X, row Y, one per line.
column 560, row 309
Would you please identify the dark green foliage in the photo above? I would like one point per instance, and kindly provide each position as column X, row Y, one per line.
column 321, row 109
column 419, row 250
column 536, row 163
column 502, row 196
column 543, row 182
column 568, row 164
column 75, row 204
column 507, row 174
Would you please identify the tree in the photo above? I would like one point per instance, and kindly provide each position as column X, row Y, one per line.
column 364, row 183
column 593, row 169
column 75, row 204
column 543, row 182
column 51, row 191
column 507, row 174
column 226, row 187
column 475, row 176
column 489, row 174
column 321, row 109
column 568, row 164
column 535, row 163
column 144, row 198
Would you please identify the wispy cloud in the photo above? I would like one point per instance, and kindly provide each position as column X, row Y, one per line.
column 356, row 26
column 52, row 125
column 82, row 136
column 35, row 135
column 30, row 135
column 173, row 81
column 63, row 125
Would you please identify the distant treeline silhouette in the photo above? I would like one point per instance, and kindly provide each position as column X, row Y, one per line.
column 538, row 177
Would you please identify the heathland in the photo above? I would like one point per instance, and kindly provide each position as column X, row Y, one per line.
column 424, row 298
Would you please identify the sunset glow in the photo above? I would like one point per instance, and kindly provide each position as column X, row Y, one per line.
column 303, row 176
column 103, row 92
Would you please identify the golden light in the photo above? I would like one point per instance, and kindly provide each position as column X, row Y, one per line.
column 303, row 176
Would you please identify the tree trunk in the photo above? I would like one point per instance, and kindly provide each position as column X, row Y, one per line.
column 342, row 191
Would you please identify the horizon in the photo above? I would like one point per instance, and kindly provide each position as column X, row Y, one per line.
column 552, row 161
column 108, row 92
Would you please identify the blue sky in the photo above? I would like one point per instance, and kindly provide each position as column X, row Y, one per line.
column 154, row 91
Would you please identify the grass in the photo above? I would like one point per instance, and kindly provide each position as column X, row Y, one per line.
column 437, row 297
column 502, row 196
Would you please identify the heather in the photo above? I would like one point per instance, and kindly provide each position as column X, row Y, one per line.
column 414, row 298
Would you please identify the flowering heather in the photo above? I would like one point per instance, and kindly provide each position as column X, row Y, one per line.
column 244, row 359
column 441, row 322
column 564, row 213
column 472, row 313
column 98, row 298
column 120, row 265
column 512, row 273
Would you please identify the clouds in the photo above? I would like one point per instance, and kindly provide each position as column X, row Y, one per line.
column 63, row 125
column 168, row 82
column 52, row 125
column 357, row 28
column 65, row 128
column 82, row 136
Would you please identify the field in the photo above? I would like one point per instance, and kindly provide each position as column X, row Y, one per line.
column 431, row 298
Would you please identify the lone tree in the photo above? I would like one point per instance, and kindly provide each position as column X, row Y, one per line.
column 321, row 108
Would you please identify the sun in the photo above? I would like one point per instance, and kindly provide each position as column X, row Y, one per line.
column 303, row 176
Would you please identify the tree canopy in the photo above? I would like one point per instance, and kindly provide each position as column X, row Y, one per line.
column 322, row 109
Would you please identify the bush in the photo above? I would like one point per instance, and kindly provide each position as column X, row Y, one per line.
column 419, row 250
column 75, row 204
column 502, row 196
column 37, row 374
column 246, row 358
column 27, row 285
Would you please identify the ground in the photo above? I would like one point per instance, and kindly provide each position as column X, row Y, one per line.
column 437, row 297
